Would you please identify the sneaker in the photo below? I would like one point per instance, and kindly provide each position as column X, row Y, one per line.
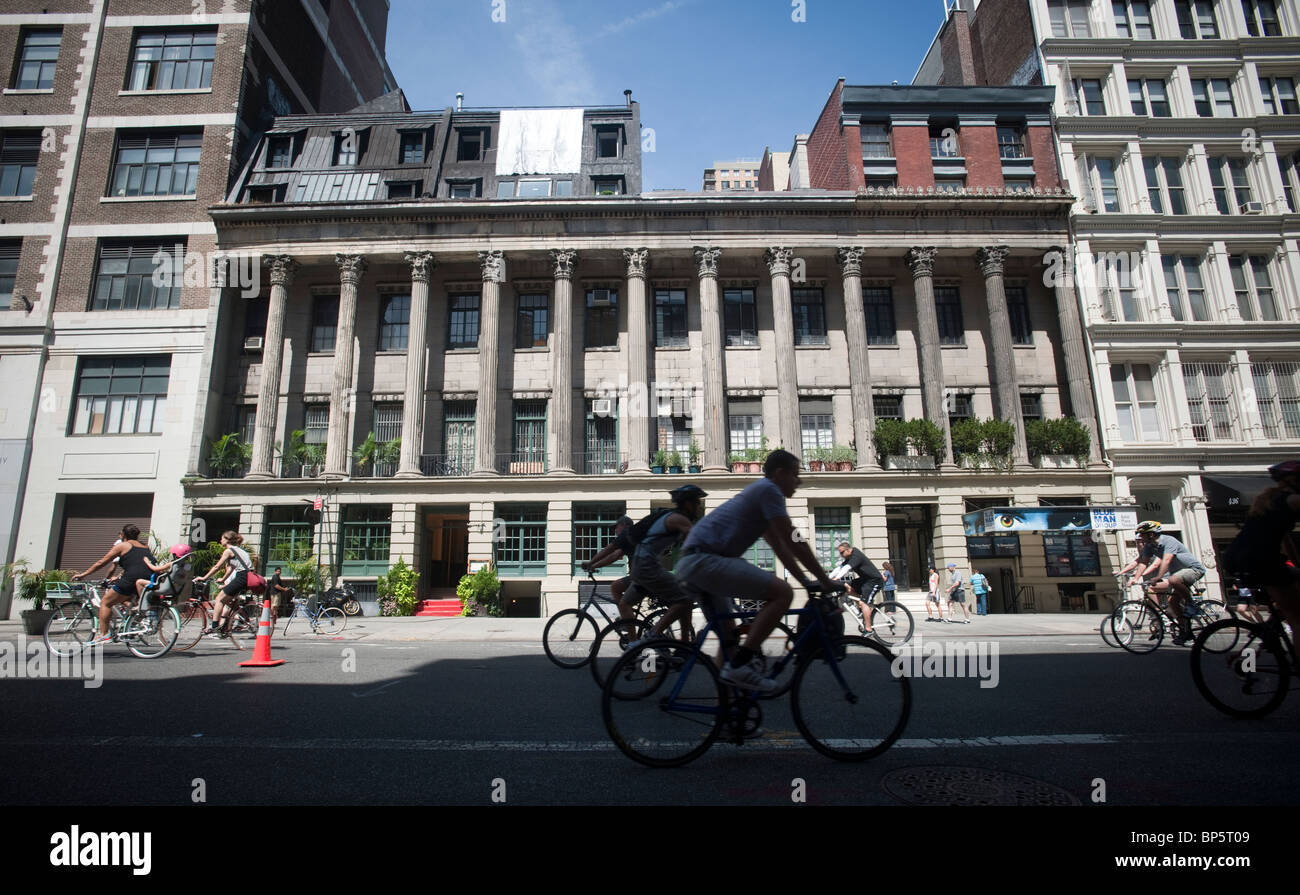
column 750, row 677
column 968, row 621
column 100, row 639
column 862, row 629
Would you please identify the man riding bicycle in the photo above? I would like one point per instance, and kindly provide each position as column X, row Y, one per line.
column 625, row 596
column 866, row 579
column 1257, row 550
column 1168, row 556
column 646, row 566
column 712, row 569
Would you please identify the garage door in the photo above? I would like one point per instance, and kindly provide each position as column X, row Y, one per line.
column 91, row 523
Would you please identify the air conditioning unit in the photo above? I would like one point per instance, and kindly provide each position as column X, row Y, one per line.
column 1251, row 208
column 253, row 343
column 602, row 407
column 599, row 298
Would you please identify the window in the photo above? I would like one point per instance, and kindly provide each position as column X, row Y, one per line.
column 602, row 443
column 157, row 164
column 37, row 60
column 563, row 188
column 1031, row 406
column 611, row 186
column 960, row 408
column 531, row 324
column 288, row 539
column 470, row 145
column 462, row 322
column 1213, row 98
column 675, row 430
column 1069, row 18
column 1261, row 18
column 878, row 305
column 1148, row 97
column 1184, row 287
column 1279, row 96
column 505, row 189
column 1253, row 286
column 411, row 151
column 670, row 318
column 522, row 549
column 394, row 321
column 266, row 195
column 1135, row 402
column 533, row 189
column 464, row 189
column 740, row 317
column 1291, row 179
column 1087, row 97
column 121, row 395
column 881, row 182
column 944, row 142
column 1133, row 19
column 1011, row 142
column 458, row 419
column 124, row 280
column 809, row 317
column 1165, row 185
column 1226, row 170
column 1196, row 19
column 761, row 555
column 1116, row 273
column 367, row 533
column 10, row 249
column 324, row 323
column 346, row 149
column 279, row 152
column 176, row 60
column 831, row 526
column 609, row 141
column 1104, row 193
column 947, row 305
column 19, row 153
column 246, row 423
column 593, row 530
column 1210, row 401
column 601, row 330
column 816, row 425
column 404, row 189
column 528, row 439
column 1018, row 184
column 949, row 183
column 876, row 142
column 1022, row 331
column 1277, row 393
column 316, row 424
column 887, row 407
column 255, row 313
column 745, row 425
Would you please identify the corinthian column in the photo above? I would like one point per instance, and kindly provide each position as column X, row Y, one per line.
column 992, row 261
column 342, row 399
column 715, row 383
column 638, row 362
column 561, row 415
column 921, row 261
column 422, row 265
column 855, row 320
column 485, row 427
column 787, row 377
column 268, row 392
column 1076, row 357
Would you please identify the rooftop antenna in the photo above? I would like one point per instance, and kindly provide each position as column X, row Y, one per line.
column 460, row 100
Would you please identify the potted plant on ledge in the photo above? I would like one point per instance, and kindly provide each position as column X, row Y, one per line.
column 228, row 456
column 36, row 587
column 674, row 463
column 694, row 452
column 737, row 461
column 659, row 462
column 366, row 454
column 817, row 459
column 841, row 458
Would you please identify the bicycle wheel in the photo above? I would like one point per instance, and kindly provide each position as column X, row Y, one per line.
column 777, row 646
column 892, row 622
column 1206, row 613
column 1107, row 630
column 663, row 704
column 1138, row 627
column 352, row 607
column 678, row 630
column 194, row 618
column 70, row 628
column 1240, row 668
column 852, row 708
column 610, row 645
column 330, row 621
column 569, row 638
column 156, row 631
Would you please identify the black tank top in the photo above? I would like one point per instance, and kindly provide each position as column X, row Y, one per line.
column 133, row 567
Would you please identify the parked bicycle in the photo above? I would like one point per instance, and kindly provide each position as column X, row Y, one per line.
column 1139, row 625
column 1244, row 668
column 322, row 619
column 148, row 630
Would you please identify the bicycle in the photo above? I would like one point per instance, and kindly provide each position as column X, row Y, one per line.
column 891, row 621
column 324, row 620
column 1139, row 625
column 571, row 635
column 664, row 703
column 1244, row 668
column 148, row 631
column 240, row 621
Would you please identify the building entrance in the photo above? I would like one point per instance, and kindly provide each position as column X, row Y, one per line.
column 911, row 544
column 445, row 550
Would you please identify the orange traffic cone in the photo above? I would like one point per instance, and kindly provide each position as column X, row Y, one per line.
column 262, row 649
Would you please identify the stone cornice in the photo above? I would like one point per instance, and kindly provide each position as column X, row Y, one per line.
column 1117, row 336
column 1124, row 49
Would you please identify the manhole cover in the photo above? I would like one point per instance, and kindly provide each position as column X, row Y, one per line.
column 971, row 786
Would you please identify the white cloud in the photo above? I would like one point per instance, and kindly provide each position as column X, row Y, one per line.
column 662, row 9
column 550, row 51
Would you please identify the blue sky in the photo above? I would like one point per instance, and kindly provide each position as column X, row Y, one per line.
column 716, row 79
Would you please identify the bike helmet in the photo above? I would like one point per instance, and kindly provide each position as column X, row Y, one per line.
column 1287, row 469
column 1150, row 526
column 180, row 551
column 687, row 492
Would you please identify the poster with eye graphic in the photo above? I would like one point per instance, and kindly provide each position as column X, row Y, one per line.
column 1002, row 520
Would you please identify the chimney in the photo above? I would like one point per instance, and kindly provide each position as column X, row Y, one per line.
column 628, row 94
column 460, row 100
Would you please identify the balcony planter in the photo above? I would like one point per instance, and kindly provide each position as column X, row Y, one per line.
column 816, row 465
column 657, row 470
column 693, row 469
column 674, row 463
column 896, row 461
column 841, row 458
column 1057, row 461
column 753, row 466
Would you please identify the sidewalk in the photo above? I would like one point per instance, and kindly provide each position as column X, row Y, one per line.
column 529, row 630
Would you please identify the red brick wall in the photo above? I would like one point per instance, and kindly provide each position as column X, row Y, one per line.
column 766, row 181
column 853, row 156
column 1046, row 174
column 1002, row 37
column 827, row 165
column 979, row 145
column 912, row 149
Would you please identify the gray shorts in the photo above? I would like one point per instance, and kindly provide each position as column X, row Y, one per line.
column 652, row 578
column 1187, row 576
column 714, row 580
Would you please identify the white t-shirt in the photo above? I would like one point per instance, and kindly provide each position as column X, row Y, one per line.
column 240, row 561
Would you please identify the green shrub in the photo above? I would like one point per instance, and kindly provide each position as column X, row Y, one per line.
column 967, row 437
column 307, row 578
column 398, row 585
column 481, row 589
column 1065, row 436
column 890, row 437
column 228, row 453
column 926, row 437
column 841, row 453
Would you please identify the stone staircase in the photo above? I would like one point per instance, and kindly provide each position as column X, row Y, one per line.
column 443, row 604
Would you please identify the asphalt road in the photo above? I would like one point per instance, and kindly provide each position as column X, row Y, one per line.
column 368, row 722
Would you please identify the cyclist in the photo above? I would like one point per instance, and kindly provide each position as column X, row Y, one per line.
column 136, row 564
column 625, row 596
column 711, row 564
column 236, row 581
column 1258, row 548
column 1168, row 555
column 646, row 566
column 866, row 580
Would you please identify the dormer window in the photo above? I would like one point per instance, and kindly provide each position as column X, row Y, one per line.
column 471, row 145
column 609, row 141
column 279, row 152
column 944, row 143
column 412, row 149
column 347, row 148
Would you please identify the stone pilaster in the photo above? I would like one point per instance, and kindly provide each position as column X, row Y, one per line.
column 637, row 417
column 992, row 261
column 268, row 393
column 561, row 415
column 489, row 330
column 417, row 350
column 855, row 332
column 778, row 260
column 715, row 382
column 921, row 261
column 1082, row 404
column 338, row 452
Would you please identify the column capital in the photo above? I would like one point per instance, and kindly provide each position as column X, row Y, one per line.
column 493, row 265
column 778, row 260
column 992, row 260
column 850, row 258
column 422, row 265
column 564, row 259
column 351, row 267
column 921, row 260
column 707, row 258
column 638, row 262
column 282, row 268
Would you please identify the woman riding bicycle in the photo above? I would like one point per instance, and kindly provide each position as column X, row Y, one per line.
column 136, row 563
column 1257, row 549
column 236, row 581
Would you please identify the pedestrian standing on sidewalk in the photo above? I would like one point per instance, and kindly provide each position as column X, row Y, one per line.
column 979, row 586
column 956, row 595
column 891, row 587
column 932, row 599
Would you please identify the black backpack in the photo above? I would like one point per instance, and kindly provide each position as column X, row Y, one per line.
column 642, row 528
